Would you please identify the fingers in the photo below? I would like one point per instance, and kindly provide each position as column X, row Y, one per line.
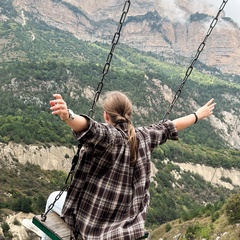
column 52, row 103
column 210, row 105
column 209, row 102
column 58, row 100
column 206, row 110
column 58, row 96
column 58, row 106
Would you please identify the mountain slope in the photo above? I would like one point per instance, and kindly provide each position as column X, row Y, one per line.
column 171, row 31
column 38, row 58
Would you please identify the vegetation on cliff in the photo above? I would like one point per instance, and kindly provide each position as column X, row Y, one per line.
column 38, row 60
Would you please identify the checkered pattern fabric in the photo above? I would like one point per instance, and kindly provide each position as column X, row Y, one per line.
column 108, row 198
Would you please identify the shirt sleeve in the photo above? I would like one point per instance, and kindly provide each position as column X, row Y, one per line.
column 160, row 132
column 95, row 134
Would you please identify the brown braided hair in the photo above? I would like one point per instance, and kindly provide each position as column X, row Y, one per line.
column 119, row 108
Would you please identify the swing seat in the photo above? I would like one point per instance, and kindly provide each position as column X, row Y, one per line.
column 54, row 226
column 61, row 230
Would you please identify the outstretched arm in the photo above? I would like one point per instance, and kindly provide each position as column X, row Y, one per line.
column 202, row 112
column 59, row 107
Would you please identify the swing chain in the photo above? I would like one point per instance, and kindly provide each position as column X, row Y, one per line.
column 190, row 68
column 70, row 175
column 50, row 207
column 104, row 73
column 106, row 67
column 110, row 55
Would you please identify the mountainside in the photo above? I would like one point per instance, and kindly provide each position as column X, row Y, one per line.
column 186, row 184
column 59, row 158
column 22, row 39
column 173, row 31
column 49, row 158
column 61, row 46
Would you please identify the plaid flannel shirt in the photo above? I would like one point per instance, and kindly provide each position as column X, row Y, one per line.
column 108, row 198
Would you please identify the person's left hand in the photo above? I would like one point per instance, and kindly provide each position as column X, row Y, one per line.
column 206, row 110
column 59, row 107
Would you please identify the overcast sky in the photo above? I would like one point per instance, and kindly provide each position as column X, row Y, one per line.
column 232, row 8
column 171, row 9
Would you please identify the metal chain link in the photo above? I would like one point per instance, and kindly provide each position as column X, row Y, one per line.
column 50, row 207
column 190, row 68
column 110, row 55
column 106, row 67
column 70, row 176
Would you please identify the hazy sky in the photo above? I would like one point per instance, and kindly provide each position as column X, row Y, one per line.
column 232, row 8
column 170, row 8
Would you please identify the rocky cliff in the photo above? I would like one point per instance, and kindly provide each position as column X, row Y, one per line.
column 171, row 29
column 19, row 231
column 59, row 158
column 48, row 158
column 214, row 175
column 55, row 157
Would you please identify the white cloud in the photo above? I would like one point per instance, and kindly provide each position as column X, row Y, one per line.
column 231, row 9
column 170, row 8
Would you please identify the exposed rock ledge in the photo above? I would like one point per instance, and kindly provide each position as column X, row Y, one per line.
column 18, row 231
column 213, row 175
column 49, row 158
column 59, row 158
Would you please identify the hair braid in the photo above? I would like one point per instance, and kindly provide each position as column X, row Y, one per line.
column 119, row 108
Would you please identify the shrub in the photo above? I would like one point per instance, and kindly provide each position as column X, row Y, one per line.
column 6, row 232
column 168, row 227
column 232, row 208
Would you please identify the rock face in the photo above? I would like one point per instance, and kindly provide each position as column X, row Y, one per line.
column 169, row 28
column 18, row 231
column 52, row 158
column 213, row 175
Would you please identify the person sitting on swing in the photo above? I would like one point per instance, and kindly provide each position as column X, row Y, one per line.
column 109, row 195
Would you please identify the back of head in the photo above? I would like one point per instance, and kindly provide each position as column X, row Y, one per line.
column 119, row 108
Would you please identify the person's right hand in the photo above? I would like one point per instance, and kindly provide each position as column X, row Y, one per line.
column 59, row 107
